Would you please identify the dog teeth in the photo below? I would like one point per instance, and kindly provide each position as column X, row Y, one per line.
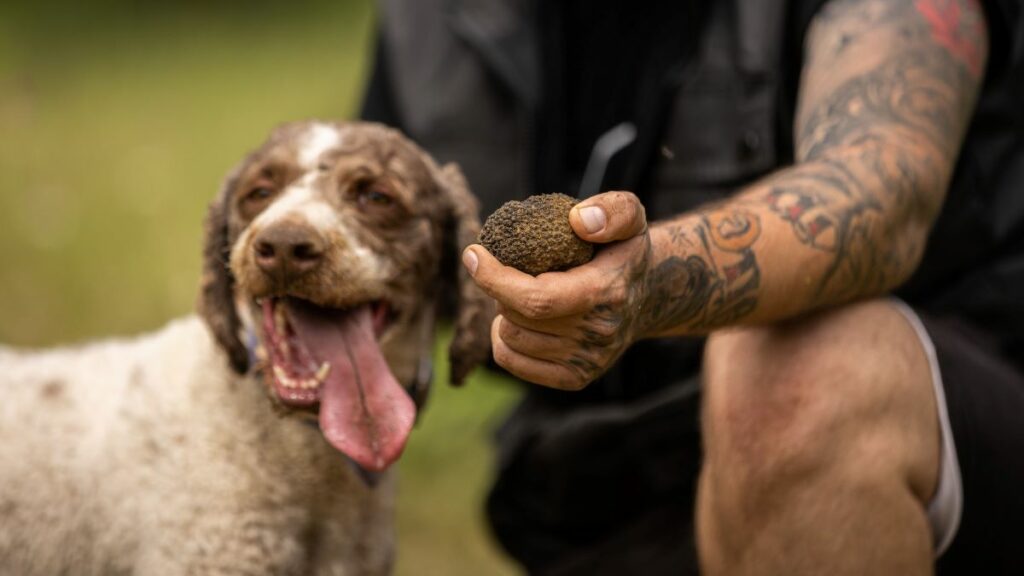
column 302, row 383
column 283, row 378
column 279, row 319
column 322, row 372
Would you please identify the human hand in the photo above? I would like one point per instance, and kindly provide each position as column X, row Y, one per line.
column 564, row 329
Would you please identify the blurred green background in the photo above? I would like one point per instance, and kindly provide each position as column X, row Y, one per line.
column 118, row 120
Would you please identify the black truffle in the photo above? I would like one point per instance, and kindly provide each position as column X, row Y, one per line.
column 534, row 235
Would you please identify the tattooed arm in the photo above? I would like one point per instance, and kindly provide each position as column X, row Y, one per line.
column 888, row 87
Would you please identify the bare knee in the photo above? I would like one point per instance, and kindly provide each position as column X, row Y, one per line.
column 846, row 391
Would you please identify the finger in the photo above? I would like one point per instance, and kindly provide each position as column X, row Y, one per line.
column 608, row 217
column 549, row 295
column 596, row 329
column 532, row 343
column 562, row 326
column 541, row 372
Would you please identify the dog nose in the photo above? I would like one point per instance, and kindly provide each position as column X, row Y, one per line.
column 288, row 251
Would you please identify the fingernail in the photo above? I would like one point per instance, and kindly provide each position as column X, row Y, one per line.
column 593, row 218
column 470, row 260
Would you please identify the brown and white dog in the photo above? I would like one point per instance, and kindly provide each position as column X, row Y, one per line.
column 161, row 455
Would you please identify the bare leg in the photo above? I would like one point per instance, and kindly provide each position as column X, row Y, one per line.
column 822, row 447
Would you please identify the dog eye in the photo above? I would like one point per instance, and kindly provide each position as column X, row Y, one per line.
column 375, row 199
column 256, row 199
column 259, row 194
column 371, row 196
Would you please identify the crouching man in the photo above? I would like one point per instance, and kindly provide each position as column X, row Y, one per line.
column 808, row 160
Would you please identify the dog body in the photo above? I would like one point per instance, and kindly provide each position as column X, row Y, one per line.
column 163, row 455
column 151, row 456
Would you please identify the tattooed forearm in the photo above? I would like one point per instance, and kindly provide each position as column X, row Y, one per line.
column 847, row 206
column 712, row 278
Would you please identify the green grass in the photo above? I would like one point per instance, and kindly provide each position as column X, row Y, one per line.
column 118, row 124
column 443, row 479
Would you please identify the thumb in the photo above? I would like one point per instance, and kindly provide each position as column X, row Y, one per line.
column 608, row 217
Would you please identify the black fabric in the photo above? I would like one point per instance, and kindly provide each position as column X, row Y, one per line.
column 603, row 491
column 985, row 398
column 604, row 62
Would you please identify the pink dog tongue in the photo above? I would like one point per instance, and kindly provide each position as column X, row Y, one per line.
column 364, row 412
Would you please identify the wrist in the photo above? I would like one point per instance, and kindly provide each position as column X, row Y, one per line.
column 649, row 315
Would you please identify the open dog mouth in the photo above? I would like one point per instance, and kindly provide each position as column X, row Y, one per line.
column 331, row 358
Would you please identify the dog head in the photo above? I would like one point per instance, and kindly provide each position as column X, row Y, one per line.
column 327, row 253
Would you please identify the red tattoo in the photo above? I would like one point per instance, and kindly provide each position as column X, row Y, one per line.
column 959, row 36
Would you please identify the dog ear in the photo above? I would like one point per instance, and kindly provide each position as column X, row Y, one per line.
column 474, row 310
column 217, row 290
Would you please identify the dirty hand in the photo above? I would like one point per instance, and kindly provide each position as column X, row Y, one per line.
column 564, row 329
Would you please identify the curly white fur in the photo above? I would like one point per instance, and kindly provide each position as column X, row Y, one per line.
column 149, row 456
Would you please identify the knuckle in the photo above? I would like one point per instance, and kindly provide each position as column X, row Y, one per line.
column 633, row 210
column 537, row 305
column 625, row 196
column 619, row 197
column 579, row 372
column 617, row 296
column 602, row 333
column 625, row 202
